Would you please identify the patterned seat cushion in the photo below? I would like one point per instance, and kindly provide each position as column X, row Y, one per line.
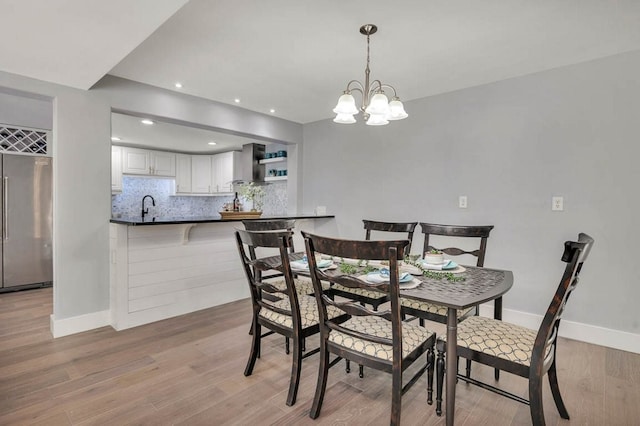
column 308, row 312
column 430, row 307
column 412, row 336
column 303, row 285
column 371, row 294
column 498, row 338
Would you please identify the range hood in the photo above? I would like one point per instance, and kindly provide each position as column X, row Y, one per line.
column 251, row 169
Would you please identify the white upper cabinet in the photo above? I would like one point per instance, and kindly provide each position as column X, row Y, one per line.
column 225, row 171
column 116, row 169
column 163, row 163
column 183, row 174
column 195, row 174
column 137, row 161
column 201, row 174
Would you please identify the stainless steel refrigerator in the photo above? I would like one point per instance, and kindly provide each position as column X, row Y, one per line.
column 27, row 208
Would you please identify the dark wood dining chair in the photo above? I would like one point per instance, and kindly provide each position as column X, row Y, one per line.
column 302, row 285
column 292, row 315
column 455, row 234
column 376, row 339
column 519, row 350
column 369, row 297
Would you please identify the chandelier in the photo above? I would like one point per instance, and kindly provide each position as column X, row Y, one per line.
column 376, row 108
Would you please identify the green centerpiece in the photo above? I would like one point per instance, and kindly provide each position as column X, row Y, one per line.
column 254, row 193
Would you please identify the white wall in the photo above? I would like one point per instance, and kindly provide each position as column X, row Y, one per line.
column 82, row 167
column 18, row 109
column 81, row 175
column 509, row 146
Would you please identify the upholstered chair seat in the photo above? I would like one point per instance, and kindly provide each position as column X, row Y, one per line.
column 308, row 312
column 412, row 337
column 498, row 338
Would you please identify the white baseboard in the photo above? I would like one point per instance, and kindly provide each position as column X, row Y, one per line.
column 573, row 330
column 66, row 326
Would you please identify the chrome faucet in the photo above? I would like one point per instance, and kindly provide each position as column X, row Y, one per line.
column 153, row 203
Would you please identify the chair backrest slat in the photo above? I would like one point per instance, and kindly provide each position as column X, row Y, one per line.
column 359, row 335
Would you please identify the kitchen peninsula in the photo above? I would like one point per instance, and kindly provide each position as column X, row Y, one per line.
column 165, row 267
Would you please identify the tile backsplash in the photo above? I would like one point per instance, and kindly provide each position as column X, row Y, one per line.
column 129, row 202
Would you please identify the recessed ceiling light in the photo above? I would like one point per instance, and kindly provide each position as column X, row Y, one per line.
column 237, row 100
column 272, row 110
column 146, row 121
column 179, row 85
column 115, row 138
column 212, row 143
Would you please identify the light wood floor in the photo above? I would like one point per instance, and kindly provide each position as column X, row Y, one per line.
column 189, row 370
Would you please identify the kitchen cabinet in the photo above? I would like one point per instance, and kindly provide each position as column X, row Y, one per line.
column 163, row 163
column 226, row 168
column 135, row 161
column 183, row 174
column 201, row 174
column 116, row 169
column 195, row 174
column 214, row 174
column 138, row 161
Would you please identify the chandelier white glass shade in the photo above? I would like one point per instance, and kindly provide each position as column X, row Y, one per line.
column 376, row 108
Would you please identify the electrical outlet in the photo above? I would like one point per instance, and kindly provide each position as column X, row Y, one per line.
column 557, row 204
column 462, row 201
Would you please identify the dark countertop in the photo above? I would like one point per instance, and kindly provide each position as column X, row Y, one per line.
column 136, row 221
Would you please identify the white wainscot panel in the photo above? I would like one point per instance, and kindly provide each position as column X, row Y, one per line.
column 167, row 270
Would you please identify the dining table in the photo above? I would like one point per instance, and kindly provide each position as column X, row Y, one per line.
column 471, row 287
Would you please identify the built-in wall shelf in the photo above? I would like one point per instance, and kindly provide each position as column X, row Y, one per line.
column 273, row 160
column 274, row 178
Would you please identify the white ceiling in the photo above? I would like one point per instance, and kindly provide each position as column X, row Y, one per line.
column 172, row 137
column 75, row 42
column 297, row 56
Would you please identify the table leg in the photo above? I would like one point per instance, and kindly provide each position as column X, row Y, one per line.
column 497, row 314
column 497, row 308
column 452, row 363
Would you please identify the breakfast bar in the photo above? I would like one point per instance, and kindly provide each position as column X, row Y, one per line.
column 164, row 267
